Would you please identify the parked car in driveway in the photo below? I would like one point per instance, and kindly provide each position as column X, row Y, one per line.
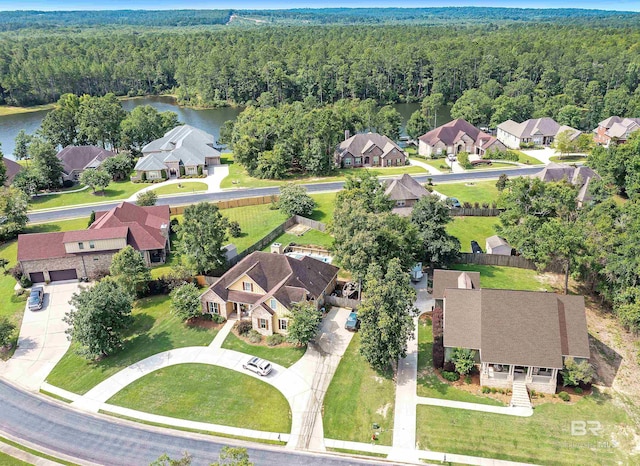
column 259, row 366
column 36, row 298
column 475, row 247
column 353, row 323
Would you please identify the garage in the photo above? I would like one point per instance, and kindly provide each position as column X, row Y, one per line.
column 36, row 277
column 59, row 275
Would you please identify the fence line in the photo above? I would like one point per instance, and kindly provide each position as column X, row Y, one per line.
column 342, row 302
column 475, row 212
column 505, row 261
column 232, row 203
column 310, row 223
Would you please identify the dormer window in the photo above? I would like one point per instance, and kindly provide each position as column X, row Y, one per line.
column 92, row 245
column 273, row 304
column 247, row 286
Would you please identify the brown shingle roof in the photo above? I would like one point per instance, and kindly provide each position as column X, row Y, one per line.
column 451, row 132
column 405, row 187
column 82, row 157
column 462, row 319
column 89, row 235
column 37, row 246
column 443, row 279
column 13, row 168
column 360, row 143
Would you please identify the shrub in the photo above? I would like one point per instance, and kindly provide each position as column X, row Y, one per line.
column 6, row 331
column 485, row 205
column 541, row 395
column 199, row 169
column 143, row 177
column 494, row 390
column 578, row 390
column 575, row 373
column 502, row 182
column 173, row 224
column 486, row 390
column 450, row 376
column 207, row 316
column 467, row 379
column 533, row 393
column 294, row 200
column 147, row 198
column 254, row 336
column 463, row 160
column 438, row 353
column 16, row 272
column 463, row 359
column 243, row 327
column 476, row 205
column 25, row 282
column 430, row 181
column 564, row 396
column 67, row 183
column 163, row 174
column 234, row 229
column 466, row 205
column 92, row 218
column 449, row 366
column 275, row 339
column 217, row 318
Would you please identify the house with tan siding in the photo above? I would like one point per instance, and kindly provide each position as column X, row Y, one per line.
column 263, row 286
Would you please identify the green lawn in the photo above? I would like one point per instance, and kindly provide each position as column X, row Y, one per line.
column 568, row 158
column 154, row 330
column 116, row 190
column 472, row 228
column 357, row 397
column 477, row 191
column 544, row 438
column 524, row 158
column 438, row 164
column 12, row 305
column 239, row 178
column 284, row 355
column 11, row 110
column 507, row 278
column 181, row 188
column 7, row 460
column 429, row 384
column 325, row 205
column 205, row 393
column 493, row 166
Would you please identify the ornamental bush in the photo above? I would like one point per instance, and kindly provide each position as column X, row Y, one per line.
column 450, row 376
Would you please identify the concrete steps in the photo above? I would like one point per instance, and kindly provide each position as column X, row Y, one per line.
column 520, row 396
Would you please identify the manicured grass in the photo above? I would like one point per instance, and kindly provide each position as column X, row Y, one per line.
column 472, row 228
column 11, row 110
column 478, row 191
column 239, row 178
column 310, row 238
column 181, row 188
column 154, row 330
column 544, row 438
column 358, row 397
column 205, row 393
column 439, row 164
column 494, row 165
column 507, row 278
column 429, row 384
column 115, row 190
column 286, row 356
column 524, row 158
column 33, row 452
column 325, row 205
column 13, row 306
column 7, row 460
column 568, row 158
column 255, row 221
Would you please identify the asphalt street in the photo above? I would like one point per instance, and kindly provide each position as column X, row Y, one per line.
column 61, row 429
column 80, row 211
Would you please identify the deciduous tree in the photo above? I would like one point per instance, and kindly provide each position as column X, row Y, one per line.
column 185, row 301
column 129, row 269
column 147, row 198
column 95, row 178
column 202, row 235
column 45, row 162
column 294, row 200
column 304, row 320
column 437, row 247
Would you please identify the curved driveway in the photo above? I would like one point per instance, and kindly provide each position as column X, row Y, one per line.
column 85, row 211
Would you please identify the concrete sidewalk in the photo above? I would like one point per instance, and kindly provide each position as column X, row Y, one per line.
column 508, row 410
column 430, row 170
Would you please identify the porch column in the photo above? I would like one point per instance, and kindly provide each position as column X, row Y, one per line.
column 511, row 367
column 554, row 375
column 485, row 368
column 529, row 374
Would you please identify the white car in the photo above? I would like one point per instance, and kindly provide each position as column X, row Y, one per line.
column 259, row 366
column 451, row 158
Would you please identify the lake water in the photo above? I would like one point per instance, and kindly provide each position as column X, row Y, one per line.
column 209, row 120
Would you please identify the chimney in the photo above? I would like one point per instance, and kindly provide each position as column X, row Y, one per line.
column 164, row 229
column 276, row 248
column 347, row 134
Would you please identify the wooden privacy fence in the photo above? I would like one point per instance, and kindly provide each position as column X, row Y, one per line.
column 342, row 302
column 505, row 261
column 230, row 204
column 307, row 222
column 473, row 212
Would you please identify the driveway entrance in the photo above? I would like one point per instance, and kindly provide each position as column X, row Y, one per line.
column 42, row 341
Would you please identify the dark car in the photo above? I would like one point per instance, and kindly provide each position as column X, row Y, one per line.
column 353, row 323
column 475, row 247
column 453, row 202
column 259, row 366
column 36, row 298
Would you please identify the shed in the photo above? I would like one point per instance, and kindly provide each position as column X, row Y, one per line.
column 497, row 245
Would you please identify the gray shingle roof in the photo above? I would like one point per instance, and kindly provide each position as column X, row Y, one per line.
column 82, row 157
column 405, row 187
column 360, row 143
column 445, row 279
column 535, row 127
column 495, row 241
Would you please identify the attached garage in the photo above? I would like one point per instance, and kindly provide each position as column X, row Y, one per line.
column 59, row 275
column 36, row 277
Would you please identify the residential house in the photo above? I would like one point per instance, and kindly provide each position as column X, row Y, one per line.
column 457, row 136
column 580, row 176
column 76, row 159
column 537, row 132
column 519, row 337
column 13, row 168
column 263, row 287
column 405, row 192
column 368, row 150
column 183, row 151
column 498, row 245
column 615, row 129
column 88, row 253
column 443, row 279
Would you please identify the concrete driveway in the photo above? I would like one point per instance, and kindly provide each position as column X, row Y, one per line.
column 42, row 341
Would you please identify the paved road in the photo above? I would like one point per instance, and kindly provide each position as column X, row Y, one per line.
column 72, row 212
column 93, row 439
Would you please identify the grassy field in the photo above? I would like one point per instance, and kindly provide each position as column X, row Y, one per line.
column 325, row 205
column 438, row 164
column 7, row 460
column 205, row 393
column 472, row 228
column 357, row 397
column 478, row 191
column 116, row 190
column 493, row 166
column 507, row 278
column 239, row 178
column 429, row 384
column 10, row 110
column 529, row 160
column 154, row 330
column 568, row 158
column 181, row 188
column 544, row 438
column 12, row 305
column 284, row 355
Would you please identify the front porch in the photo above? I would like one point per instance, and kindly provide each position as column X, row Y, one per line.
column 540, row 379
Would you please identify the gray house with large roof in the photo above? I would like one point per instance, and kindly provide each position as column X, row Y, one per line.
column 368, row 150
column 538, row 131
column 183, row 151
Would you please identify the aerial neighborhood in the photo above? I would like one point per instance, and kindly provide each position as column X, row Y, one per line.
column 286, row 227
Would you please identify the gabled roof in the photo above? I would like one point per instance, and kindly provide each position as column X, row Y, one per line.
column 185, row 144
column 452, row 279
column 91, row 235
column 37, row 246
column 609, row 122
column 285, row 278
column 82, row 157
column 535, row 127
column 450, row 133
column 13, row 168
column 620, row 129
column 577, row 176
column 495, row 241
column 405, row 187
column 360, row 143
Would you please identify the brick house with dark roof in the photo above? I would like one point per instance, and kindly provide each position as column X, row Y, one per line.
column 13, row 168
column 405, row 192
column 519, row 336
column 88, row 253
column 263, row 286
column 368, row 150
column 455, row 137
column 76, row 159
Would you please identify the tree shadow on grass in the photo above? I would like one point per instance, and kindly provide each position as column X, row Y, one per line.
column 606, row 360
column 135, row 349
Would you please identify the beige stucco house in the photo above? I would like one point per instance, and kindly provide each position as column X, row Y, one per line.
column 263, row 286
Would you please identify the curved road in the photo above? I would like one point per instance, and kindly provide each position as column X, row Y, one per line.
column 85, row 211
column 57, row 428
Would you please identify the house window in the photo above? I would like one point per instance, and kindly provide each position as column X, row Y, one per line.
column 263, row 324
column 273, row 304
column 400, row 203
column 80, row 245
column 376, row 159
column 347, row 161
column 247, row 286
column 358, row 160
column 282, row 324
column 388, row 162
column 153, row 175
column 214, row 308
column 191, row 170
column 92, row 245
